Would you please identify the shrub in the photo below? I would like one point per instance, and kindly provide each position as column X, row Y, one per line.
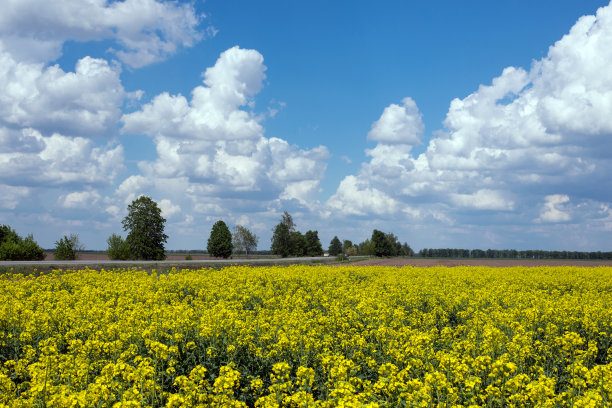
column 188, row 257
column 64, row 250
column 117, row 248
column 15, row 248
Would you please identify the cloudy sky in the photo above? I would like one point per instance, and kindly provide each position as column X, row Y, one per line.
column 451, row 124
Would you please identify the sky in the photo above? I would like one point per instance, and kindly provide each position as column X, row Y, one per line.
column 472, row 124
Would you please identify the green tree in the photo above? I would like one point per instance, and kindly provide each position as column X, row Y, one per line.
column 220, row 241
column 64, row 249
column 281, row 240
column 313, row 244
column 244, row 240
column 335, row 247
column 346, row 245
column 297, row 244
column 145, row 224
column 15, row 248
column 382, row 245
column 117, row 248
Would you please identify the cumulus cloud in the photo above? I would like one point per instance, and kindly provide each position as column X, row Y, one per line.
column 79, row 199
column 60, row 160
column 169, row 209
column 144, row 31
column 399, row 124
column 11, row 195
column 85, row 102
column 216, row 144
column 553, row 211
column 531, row 136
column 355, row 197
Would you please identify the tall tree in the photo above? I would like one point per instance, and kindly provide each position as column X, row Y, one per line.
column 281, row 240
column 335, row 247
column 382, row 245
column 244, row 240
column 297, row 244
column 220, row 241
column 145, row 224
column 313, row 244
column 287, row 219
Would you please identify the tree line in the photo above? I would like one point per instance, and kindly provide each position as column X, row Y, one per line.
column 145, row 239
column 511, row 254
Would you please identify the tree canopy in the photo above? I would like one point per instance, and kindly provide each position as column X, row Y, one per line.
column 145, row 224
column 281, row 240
column 220, row 241
column 335, row 247
column 244, row 240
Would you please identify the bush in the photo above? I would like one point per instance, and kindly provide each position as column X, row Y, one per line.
column 188, row 257
column 64, row 250
column 15, row 248
column 117, row 248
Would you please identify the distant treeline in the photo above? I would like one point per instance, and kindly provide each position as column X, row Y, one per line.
column 510, row 253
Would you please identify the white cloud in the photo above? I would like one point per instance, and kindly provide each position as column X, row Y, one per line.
column 61, row 160
column 399, row 124
column 85, row 102
column 354, row 197
column 553, row 209
column 484, row 200
column 144, row 31
column 11, row 195
column 215, row 144
column 79, row 199
column 507, row 146
column 168, row 209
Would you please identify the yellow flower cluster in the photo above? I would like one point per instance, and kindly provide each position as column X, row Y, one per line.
column 308, row 336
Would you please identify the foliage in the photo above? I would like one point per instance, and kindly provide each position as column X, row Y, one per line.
column 281, row 242
column 351, row 251
column 297, row 244
column 145, row 224
column 117, row 248
column 381, row 244
column 313, row 244
column 15, row 248
column 511, row 253
column 346, row 244
column 244, row 240
column 64, row 249
column 188, row 257
column 308, row 336
column 335, row 247
column 220, row 241
column 287, row 219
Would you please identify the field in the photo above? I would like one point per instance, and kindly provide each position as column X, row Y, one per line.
column 300, row 336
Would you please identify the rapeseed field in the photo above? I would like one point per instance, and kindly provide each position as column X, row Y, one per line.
column 308, row 336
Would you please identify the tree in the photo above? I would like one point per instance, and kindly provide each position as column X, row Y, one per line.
column 220, row 241
column 281, row 240
column 287, row 219
column 15, row 248
column 244, row 240
column 335, row 247
column 346, row 245
column 117, row 248
column 145, row 224
column 313, row 244
column 297, row 244
column 64, row 249
column 382, row 245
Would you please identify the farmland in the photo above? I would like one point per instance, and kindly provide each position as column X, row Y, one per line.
column 308, row 336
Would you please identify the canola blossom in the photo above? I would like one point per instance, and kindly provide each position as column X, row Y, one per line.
column 308, row 336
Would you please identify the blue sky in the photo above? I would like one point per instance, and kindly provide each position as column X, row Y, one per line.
column 451, row 124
